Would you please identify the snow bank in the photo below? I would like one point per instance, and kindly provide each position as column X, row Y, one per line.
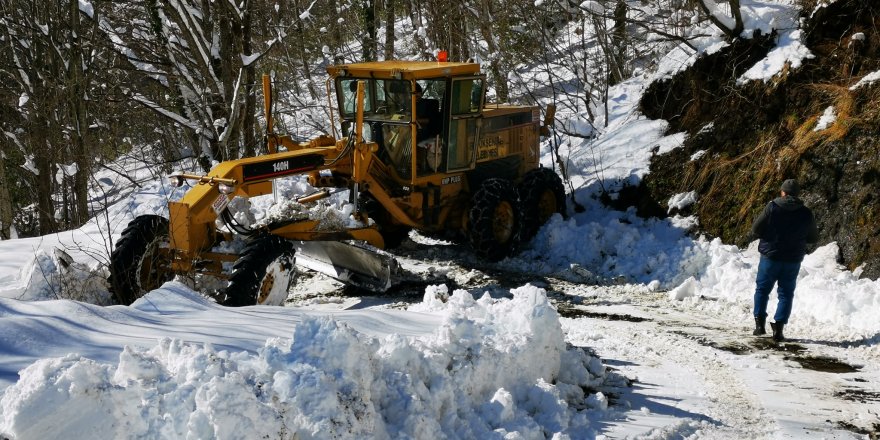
column 493, row 367
column 609, row 247
column 614, row 245
column 829, row 300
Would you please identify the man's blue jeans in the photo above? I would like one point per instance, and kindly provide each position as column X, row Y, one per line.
column 782, row 273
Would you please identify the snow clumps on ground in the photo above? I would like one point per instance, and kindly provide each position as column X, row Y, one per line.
column 493, row 367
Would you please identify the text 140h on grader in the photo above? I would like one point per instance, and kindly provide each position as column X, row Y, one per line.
column 422, row 152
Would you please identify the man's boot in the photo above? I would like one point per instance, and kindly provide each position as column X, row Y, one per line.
column 777, row 331
column 759, row 326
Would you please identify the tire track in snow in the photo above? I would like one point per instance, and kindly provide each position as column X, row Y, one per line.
column 690, row 390
column 753, row 388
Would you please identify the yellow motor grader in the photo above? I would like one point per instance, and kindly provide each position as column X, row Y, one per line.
column 421, row 150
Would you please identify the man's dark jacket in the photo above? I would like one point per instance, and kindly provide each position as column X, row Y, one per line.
column 785, row 227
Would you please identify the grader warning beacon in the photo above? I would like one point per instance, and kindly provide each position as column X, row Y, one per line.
column 421, row 151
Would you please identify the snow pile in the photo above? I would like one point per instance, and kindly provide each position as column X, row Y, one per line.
column 71, row 264
column 332, row 214
column 493, row 367
column 789, row 53
column 614, row 246
column 682, row 200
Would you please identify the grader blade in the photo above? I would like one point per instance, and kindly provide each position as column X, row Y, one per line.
column 350, row 263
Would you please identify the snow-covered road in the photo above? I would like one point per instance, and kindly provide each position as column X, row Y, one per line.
column 693, row 366
column 695, row 372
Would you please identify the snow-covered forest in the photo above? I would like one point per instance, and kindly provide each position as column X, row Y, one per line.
column 87, row 82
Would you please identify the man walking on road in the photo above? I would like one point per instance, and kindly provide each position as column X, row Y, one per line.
column 784, row 227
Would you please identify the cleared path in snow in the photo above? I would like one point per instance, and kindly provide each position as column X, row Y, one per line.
column 695, row 373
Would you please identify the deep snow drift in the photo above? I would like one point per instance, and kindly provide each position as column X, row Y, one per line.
column 461, row 367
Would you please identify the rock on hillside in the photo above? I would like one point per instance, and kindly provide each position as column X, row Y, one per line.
column 758, row 134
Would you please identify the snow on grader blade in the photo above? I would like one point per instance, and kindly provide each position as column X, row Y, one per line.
column 421, row 150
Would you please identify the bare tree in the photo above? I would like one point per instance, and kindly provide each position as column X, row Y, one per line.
column 619, row 41
column 77, row 98
column 371, row 25
column 7, row 229
column 447, row 26
column 35, row 34
column 193, row 63
column 414, row 12
column 731, row 25
column 389, row 29
column 488, row 21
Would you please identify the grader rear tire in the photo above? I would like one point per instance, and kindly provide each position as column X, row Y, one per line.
column 263, row 273
column 494, row 221
column 542, row 195
column 137, row 264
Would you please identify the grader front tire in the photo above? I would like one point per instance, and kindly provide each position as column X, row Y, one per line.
column 138, row 263
column 263, row 273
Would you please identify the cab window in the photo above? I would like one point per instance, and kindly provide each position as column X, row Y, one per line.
column 384, row 99
column 466, row 104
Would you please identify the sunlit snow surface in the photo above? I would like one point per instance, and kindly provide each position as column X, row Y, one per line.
column 175, row 365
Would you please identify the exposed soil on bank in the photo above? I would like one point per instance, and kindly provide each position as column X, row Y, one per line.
column 756, row 135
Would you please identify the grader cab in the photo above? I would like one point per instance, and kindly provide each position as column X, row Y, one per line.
column 419, row 150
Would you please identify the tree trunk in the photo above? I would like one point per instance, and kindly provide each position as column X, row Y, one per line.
column 618, row 43
column 43, row 161
column 79, row 118
column 389, row 29
column 735, row 13
column 415, row 18
column 369, row 44
column 6, row 229
column 44, row 123
column 304, row 60
column 223, row 68
column 248, row 125
column 496, row 68
column 335, row 34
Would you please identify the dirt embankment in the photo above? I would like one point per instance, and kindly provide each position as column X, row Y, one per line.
column 755, row 136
